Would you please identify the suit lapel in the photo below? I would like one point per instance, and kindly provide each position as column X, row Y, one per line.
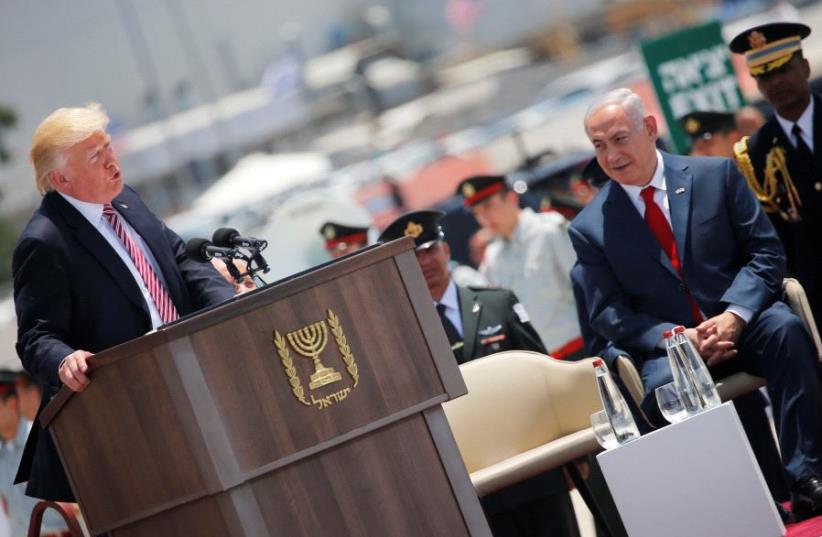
column 678, row 182
column 470, row 311
column 622, row 215
column 97, row 246
column 143, row 224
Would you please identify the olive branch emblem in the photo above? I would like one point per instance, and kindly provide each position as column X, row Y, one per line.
column 288, row 366
column 342, row 344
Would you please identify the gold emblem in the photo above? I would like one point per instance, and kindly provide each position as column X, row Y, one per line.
column 757, row 39
column 413, row 229
column 692, row 126
column 329, row 232
column 468, row 190
column 310, row 341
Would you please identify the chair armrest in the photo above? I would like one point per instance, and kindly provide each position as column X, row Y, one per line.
column 534, row 461
column 738, row 384
column 630, row 377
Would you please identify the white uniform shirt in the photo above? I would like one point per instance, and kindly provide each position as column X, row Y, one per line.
column 536, row 264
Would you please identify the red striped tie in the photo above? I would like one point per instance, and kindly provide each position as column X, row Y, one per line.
column 155, row 287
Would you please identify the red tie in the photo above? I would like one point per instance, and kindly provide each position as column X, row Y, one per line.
column 155, row 287
column 661, row 230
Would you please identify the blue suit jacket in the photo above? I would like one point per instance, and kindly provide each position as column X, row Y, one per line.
column 729, row 253
column 72, row 291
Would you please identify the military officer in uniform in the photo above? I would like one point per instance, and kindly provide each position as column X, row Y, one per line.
column 712, row 134
column 780, row 161
column 341, row 239
column 478, row 322
column 532, row 256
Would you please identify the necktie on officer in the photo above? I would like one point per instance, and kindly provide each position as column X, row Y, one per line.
column 156, row 289
column 453, row 334
column 664, row 235
column 801, row 147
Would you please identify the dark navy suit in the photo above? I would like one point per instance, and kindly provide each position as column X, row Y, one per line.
column 730, row 254
column 72, row 291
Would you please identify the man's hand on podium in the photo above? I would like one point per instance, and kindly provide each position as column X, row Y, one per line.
column 72, row 370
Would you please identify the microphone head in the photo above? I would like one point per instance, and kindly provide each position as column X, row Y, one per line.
column 224, row 236
column 196, row 250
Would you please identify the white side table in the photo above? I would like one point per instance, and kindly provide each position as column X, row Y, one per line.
column 696, row 478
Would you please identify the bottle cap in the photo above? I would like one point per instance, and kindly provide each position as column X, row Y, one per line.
column 667, row 333
column 679, row 329
column 598, row 362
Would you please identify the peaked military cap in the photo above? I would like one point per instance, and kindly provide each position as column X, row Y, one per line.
column 339, row 234
column 479, row 187
column 769, row 46
column 703, row 124
column 422, row 225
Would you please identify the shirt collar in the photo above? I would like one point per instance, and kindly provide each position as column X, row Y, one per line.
column 805, row 122
column 657, row 181
column 449, row 297
column 93, row 212
column 526, row 217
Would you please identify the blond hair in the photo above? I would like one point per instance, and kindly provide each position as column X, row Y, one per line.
column 62, row 129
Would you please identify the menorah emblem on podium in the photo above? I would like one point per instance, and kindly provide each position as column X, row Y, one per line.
column 310, row 341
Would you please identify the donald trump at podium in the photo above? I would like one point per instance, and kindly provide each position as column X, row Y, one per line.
column 92, row 268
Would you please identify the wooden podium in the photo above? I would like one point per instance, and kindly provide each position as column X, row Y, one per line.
column 311, row 407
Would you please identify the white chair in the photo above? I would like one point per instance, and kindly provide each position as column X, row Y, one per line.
column 525, row 413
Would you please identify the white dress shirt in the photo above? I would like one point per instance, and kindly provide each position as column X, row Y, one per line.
column 452, row 306
column 661, row 199
column 93, row 212
column 805, row 123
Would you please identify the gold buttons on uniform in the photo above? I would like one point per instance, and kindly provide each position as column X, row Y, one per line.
column 817, row 186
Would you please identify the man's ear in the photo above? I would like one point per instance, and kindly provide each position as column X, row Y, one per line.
column 57, row 180
column 651, row 126
column 446, row 249
column 512, row 198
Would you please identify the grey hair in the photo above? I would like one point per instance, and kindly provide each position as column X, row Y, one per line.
column 624, row 98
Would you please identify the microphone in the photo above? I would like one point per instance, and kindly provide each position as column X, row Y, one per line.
column 231, row 238
column 203, row 250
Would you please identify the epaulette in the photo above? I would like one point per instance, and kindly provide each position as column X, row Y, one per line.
column 482, row 288
column 767, row 190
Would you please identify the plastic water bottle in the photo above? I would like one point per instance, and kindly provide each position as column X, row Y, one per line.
column 705, row 386
column 684, row 380
column 622, row 421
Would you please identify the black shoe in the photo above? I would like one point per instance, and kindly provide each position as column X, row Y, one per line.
column 806, row 498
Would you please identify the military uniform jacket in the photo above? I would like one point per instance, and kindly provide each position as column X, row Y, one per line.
column 493, row 320
column 802, row 239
